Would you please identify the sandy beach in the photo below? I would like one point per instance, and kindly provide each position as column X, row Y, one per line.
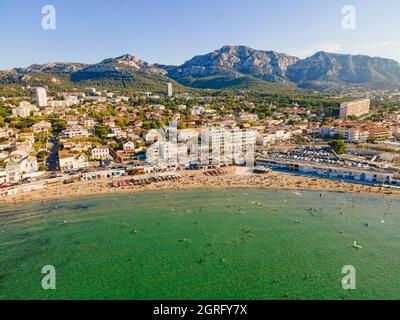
column 198, row 180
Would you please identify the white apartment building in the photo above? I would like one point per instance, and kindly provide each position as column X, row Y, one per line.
column 24, row 110
column 349, row 134
column 217, row 146
column 41, row 97
column 168, row 153
column 168, row 89
column 354, row 108
column 152, row 153
column 187, row 135
column 60, row 103
column 227, row 145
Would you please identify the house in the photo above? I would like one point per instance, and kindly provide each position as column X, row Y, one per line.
column 155, row 135
column 197, row 110
column 273, row 137
column 89, row 123
column 23, row 149
column 42, row 126
column 27, row 136
column 78, row 146
column 17, row 167
column 69, row 161
column 251, row 117
column 29, row 165
column 72, row 121
column 116, row 132
column 3, row 155
column 101, row 153
column 128, row 155
column 73, row 132
column 128, row 146
column 158, row 107
column 3, row 176
column 6, row 132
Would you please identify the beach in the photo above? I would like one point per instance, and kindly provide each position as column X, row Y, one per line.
column 196, row 179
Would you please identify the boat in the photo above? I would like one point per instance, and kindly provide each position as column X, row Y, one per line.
column 356, row 245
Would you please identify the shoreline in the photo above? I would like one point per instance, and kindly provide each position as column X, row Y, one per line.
column 192, row 180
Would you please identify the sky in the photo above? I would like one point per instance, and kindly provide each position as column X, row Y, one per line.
column 173, row 31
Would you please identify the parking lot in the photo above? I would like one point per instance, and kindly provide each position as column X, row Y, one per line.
column 319, row 156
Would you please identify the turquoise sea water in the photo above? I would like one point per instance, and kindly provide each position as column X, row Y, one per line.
column 225, row 244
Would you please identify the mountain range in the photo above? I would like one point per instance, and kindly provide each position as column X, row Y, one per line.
column 228, row 67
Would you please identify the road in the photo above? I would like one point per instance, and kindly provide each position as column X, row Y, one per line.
column 52, row 159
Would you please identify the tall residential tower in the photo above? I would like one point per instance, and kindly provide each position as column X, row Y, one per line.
column 41, row 97
column 354, row 108
column 169, row 89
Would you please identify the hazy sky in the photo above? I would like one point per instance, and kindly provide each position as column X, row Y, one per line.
column 173, row 31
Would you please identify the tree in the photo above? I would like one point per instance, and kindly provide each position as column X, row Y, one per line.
column 58, row 125
column 101, row 131
column 338, row 136
column 181, row 125
column 42, row 155
column 338, row 146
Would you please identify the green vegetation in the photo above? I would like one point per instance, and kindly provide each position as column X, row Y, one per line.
column 58, row 125
column 339, row 146
column 101, row 131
